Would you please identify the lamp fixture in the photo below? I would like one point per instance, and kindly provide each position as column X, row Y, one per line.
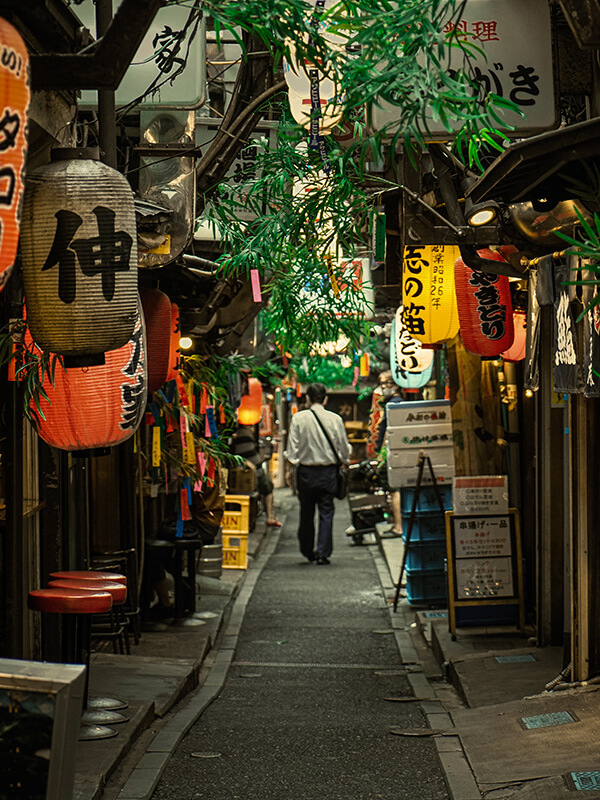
column 478, row 214
column 185, row 343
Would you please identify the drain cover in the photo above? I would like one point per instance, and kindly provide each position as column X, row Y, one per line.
column 548, row 720
column 514, row 659
column 583, row 781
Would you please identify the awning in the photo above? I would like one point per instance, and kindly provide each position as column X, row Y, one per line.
column 543, row 166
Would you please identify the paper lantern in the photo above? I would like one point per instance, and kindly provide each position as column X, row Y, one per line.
column 250, row 409
column 14, row 102
column 519, row 346
column 428, row 293
column 157, row 315
column 174, row 351
column 100, row 406
column 79, row 248
column 410, row 364
column 484, row 308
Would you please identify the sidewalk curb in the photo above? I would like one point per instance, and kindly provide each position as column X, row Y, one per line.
column 145, row 776
column 453, row 761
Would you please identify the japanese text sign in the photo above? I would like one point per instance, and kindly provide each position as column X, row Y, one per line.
column 515, row 63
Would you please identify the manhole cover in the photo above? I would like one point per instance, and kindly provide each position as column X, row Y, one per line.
column 548, row 720
column 583, row 781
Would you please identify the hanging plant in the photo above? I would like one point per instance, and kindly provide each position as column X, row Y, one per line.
column 29, row 366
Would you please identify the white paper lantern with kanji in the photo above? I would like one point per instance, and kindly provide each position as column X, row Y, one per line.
column 79, row 249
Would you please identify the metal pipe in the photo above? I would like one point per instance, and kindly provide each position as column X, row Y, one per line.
column 203, row 265
column 107, row 119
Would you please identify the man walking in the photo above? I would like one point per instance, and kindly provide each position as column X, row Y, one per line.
column 317, row 443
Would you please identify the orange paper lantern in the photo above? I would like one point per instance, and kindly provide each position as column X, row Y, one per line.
column 14, row 98
column 519, row 346
column 157, row 315
column 99, row 406
column 174, row 351
column 429, row 298
column 250, row 410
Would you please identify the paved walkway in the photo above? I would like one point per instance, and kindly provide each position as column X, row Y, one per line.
column 303, row 711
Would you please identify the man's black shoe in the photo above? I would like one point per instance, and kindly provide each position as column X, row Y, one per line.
column 323, row 560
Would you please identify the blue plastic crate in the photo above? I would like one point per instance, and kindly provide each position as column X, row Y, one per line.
column 428, row 526
column 427, row 500
column 426, row 556
column 426, row 588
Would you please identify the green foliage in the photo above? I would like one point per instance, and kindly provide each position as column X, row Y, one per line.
column 398, row 52
column 32, row 366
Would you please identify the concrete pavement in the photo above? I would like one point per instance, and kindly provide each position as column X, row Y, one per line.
column 500, row 735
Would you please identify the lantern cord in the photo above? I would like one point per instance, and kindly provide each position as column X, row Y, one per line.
column 418, row 199
column 555, row 256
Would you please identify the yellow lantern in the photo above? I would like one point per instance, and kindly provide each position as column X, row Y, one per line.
column 428, row 295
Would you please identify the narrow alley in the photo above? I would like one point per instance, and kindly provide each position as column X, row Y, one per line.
column 303, row 713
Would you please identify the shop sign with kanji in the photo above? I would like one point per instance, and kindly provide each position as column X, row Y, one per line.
column 515, row 63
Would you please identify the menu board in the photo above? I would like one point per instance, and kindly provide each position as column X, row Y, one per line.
column 484, row 561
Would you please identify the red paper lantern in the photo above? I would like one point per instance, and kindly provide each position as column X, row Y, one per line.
column 157, row 315
column 484, row 308
column 99, row 406
column 519, row 346
column 250, row 410
column 174, row 351
column 14, row 100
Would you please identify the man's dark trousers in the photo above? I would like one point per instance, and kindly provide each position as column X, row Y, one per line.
column 316, row 487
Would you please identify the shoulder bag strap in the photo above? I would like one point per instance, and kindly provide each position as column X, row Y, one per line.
column 316, row 416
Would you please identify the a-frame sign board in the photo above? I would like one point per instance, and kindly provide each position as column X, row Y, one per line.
column 484, row 563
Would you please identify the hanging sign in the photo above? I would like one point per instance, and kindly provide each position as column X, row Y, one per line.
column 512, row 63
column 411, row 365
column 428, row 292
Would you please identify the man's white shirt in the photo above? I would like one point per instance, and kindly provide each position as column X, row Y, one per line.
column 307, row 443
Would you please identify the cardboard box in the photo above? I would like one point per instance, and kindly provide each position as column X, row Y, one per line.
column 407, row 476
column 419, row 412
column 409, row 457
column 438, row 434
column 241, row 480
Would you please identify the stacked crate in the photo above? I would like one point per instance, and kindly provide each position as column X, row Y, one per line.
column 235, row 526
column 425, row 569
column 414, row 428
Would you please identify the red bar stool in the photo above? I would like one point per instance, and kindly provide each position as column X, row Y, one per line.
column 116, row 633
column 89, row 575
column 78, row 606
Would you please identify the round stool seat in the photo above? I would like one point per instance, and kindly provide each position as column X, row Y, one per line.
column 89, row 575
column 117, row 591
column 69, row 601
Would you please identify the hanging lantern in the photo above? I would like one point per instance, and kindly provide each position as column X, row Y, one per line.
column 174, row 351
column 519, row 346
column 428, row 294
column 79, row 247
column 157, row 315
column 250, row 409
column 411, row 365
column 14, row 101
column 99, row 406
column 484, row 308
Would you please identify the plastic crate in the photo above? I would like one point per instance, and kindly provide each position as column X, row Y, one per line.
column 427, row 500
column 428, row 526
column 235, row 551
column 426, row 588
column 236, row 517
column 426, row 556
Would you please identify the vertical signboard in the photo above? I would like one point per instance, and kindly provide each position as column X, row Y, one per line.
column 515, row 62
column 484, row 563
